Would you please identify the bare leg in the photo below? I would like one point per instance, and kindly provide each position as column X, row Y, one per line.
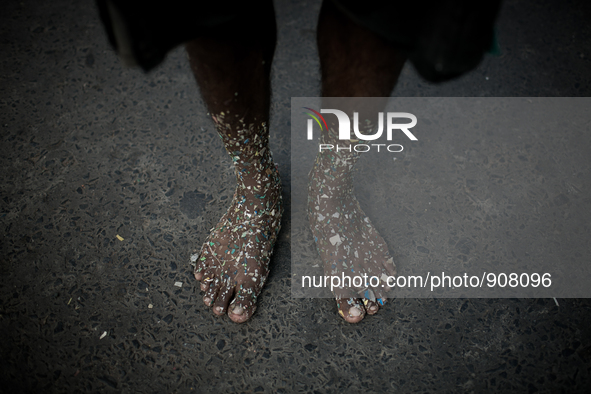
column 355, row 63
column 232, row 67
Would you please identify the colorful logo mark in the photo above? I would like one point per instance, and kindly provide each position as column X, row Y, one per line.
column 315, row 116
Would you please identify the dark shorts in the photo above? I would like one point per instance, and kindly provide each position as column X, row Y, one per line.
column 443, row 38
column 144, row 31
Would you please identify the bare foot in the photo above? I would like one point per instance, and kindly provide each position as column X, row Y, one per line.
column 347, row 242
column 233, row 263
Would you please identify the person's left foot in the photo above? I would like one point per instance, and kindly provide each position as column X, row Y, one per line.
column 348, row 243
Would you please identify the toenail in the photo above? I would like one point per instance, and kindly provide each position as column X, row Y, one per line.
column 374, row 308
column 354, row 312
column 238, row 310
column 207, row 300
column 219, row 309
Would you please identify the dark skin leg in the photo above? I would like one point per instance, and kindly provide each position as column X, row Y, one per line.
column 355, row 62
column 232, row 67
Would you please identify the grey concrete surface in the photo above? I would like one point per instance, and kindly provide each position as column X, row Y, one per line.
column 91, row 150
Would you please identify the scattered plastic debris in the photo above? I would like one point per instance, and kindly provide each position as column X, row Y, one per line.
column 103, row 335
column 369, row 295
column 335, row 240
column 178, row 284
column 119, row 237
column 150, row 306
column 555, row 301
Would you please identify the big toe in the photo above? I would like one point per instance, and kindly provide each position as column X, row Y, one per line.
column 240, row 314
column 243, row 306
column 351, row 309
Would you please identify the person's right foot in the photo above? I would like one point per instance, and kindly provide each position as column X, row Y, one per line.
column 233, row 263
column 345, row 238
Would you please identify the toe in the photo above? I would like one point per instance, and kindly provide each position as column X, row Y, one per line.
column 239, row 314
column 207, row 279
column 195, row 261
column 201, row 268
column 220, row 305
column 351, row 309
column 211, row 292
column 203, row 260
column 244, row 304
column 371, row 307
column 198, row 273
